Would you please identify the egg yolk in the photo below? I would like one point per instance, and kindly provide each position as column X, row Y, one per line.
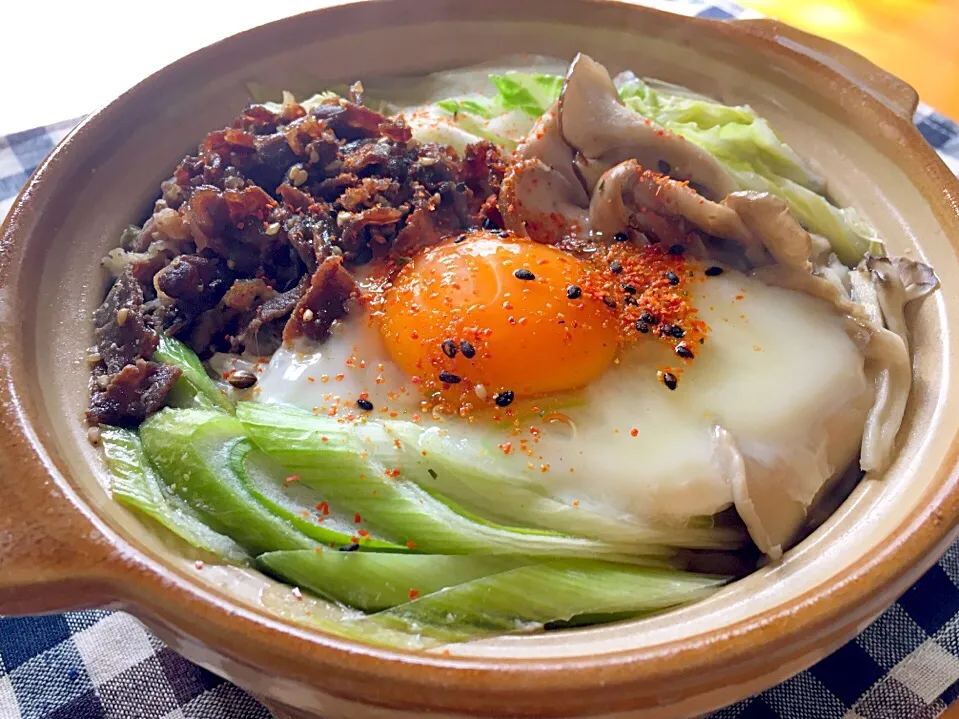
column 488, row 314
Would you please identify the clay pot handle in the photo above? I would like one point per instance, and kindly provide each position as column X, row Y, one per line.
column 897, row 95
column 53, row 556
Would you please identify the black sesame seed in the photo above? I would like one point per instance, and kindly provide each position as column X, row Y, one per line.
column 449, row 377
column 350, row 547
column 469, row 352
column 677, row 249
column 503, row 233
column 504, row 398
column 630, row 300
column 488, row 224
column 629, row 289
column 673, row 279
column 432, row 472
column 461, row 238
column 609, row 301
column 642, row 327
column 365, row 405
column 683, row 351
column 621, row 237
column 669, row 379
column 461, row 187
column 573, row 292
column 677, row 332
column 523, row 274
column 648, row 318
column 714, row 271
column 449, row 348
column 664, row 167
column 615, row 267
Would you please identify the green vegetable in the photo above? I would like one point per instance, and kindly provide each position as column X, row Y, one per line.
column 528, row 597
column 297, row 504
column 136, row 485
column 338, row 461
column 191, row 450
column 373, row 582
column 452, row 471
column 195, row 388
column 532, row 93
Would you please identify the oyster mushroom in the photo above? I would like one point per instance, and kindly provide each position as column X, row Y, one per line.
column 604, row 132
column 629, row 196
column 541, row 196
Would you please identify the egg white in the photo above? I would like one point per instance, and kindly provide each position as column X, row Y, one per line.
column 778, row 378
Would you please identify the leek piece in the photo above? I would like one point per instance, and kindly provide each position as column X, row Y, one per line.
column 453, row 471
column 191, row 450
column 526, row 598
column 336, row 460
column 295, row 503
column 373, row 582
column 195, row 388
column 135, row 484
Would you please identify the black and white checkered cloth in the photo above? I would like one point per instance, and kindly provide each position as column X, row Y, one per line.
column 103, row 665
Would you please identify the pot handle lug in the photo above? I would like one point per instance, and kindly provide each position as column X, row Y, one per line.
column 53, row 557
column 897, row 95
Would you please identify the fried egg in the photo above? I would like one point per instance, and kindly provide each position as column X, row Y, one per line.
column 749, row 395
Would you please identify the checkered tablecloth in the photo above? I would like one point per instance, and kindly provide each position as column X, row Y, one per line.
column 103, row 665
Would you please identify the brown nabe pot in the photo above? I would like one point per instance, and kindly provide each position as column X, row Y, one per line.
column 65, row 545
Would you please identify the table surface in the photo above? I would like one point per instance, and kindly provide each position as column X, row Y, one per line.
column 121, row 42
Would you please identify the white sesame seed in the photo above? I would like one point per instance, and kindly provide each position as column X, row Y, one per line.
column 307, row 315
column 297, row 594
column 480, row 391
column 122, row 315
column 273, row 228
column 93, row 436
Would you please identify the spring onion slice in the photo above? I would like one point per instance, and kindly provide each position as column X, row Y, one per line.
column 194, row 388
column 373, row 582
column 528, row 597
column 191, row 450
column 342, row 466
column 135, row 484
column 297, row 504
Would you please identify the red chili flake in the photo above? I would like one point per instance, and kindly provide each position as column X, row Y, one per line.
column 357, row 518
column 292, row 478
column 411, row 545
column 363, row 533
column 392, row 473
column 198, row 564
column 414, row 593
column 323, row 507
column 634, row 432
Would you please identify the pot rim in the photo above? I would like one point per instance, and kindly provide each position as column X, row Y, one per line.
column 829, row 613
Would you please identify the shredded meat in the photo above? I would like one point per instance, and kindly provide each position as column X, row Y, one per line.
column 263, row 224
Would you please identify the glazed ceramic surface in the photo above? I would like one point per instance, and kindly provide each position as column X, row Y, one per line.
column 65, row 544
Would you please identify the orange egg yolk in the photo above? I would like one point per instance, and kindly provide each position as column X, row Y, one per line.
column 487, row 315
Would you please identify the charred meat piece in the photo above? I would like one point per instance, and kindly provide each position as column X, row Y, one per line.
column 331, row 288
column 132, row 393
column 121, row 334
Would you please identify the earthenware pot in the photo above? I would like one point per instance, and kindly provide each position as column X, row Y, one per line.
column 64, row 544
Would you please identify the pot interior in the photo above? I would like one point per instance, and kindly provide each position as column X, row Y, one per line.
column 110, row 175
